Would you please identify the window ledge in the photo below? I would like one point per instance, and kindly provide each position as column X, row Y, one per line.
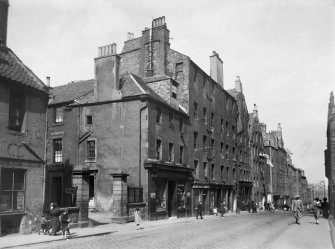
column 18, row 133
column 90, row 160
column 4, row 213
column 57, row 124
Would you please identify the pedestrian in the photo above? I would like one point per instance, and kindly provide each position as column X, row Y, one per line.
column 316, row 208
column 199, row 210
column 138, row 218
column 54, row 224
column 325, row 208
column 222, row 208
column 297, row 209
column 44, row 224
column 64, row 222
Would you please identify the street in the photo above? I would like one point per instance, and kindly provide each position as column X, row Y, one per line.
column 262, row 230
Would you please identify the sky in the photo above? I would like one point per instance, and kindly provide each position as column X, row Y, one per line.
column 283, row 51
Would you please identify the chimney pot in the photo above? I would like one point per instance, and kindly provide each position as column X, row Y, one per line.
column 47, row 81
column 216, row 68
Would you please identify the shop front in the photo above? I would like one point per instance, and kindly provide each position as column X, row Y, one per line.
column 169, row 191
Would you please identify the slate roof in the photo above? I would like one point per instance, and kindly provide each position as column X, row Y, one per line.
column 12, row 68
column 232, row 92
column 71, row 91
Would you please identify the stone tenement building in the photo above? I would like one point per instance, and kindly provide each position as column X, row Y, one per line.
column 257, row 160
column 330, row 153
column 153, row 131
column 23, row 104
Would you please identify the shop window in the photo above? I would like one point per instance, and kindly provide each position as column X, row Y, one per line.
column 89, row 120
column 171, row 152
column 158, row 149
column 135, row 195
column 161, row 196
column 58, row 115
column 91, row 150
column 181, row 196
column 158, row 115
column 16, row 110
column 58, row 150
column 12, row 196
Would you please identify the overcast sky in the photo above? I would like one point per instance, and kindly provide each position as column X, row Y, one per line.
column 283, row 51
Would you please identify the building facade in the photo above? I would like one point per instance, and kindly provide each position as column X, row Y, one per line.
column 330, row 153
column 23, row 103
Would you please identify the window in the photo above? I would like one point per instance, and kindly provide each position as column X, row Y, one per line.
column 179, row 71
column 234, row 170
column 234, row 156
column 171, row 152
column 222, row 149
column 222, row 169
column 181, row 124
column 227, row 172
column 12, row 196
column 204, row 141
column 212, row 119
column 135, row 195
column 204, row 115
column 195, row 114
column 227, row 151
column 89, row 120
column 205, row 170
column 158, row 115
column 196, row 163
column 181, row 154
column 212, row 144
column 171, row 124
column 195, row 138
column 212, row 171
column 91, row 153
column 158, row 149
column 58, row 152
column 16, row 110
column 174, row 90
column 58, row 115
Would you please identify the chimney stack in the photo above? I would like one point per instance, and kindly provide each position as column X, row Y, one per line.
column 47, row 82
column 216, row 68
column 255, row 111
column 238, row 85
column 130, row 36
column 107, row 67
column 3, row 21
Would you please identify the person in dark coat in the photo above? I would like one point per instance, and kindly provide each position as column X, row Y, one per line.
column 64, row 221
column 54, row 224
column 199, row 211
column 325, row 208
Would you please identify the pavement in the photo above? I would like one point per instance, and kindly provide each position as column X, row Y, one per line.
column 102, row 226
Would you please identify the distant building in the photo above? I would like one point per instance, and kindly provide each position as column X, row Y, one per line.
column 23, row 103
column 258, row 160
column 330, row 153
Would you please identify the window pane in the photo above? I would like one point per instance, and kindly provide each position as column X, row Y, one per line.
column 58, row 153
column 6, row 179
column 6, row 201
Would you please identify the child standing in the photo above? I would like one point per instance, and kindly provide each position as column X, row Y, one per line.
column 44, row 224
column 138, row 218
column 64, row 221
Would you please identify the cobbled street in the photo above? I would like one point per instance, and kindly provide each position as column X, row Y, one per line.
column 261, row 230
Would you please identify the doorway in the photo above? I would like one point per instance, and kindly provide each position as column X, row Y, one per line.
column 172, row 199
column 56, row 194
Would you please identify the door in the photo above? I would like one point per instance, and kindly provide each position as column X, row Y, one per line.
column 172, row 205
column 56, row 190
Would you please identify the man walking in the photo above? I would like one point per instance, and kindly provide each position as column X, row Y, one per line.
column 297, row 209
column 316, row 207
column 199, row 211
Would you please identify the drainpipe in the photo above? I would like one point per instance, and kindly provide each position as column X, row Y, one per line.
column 140, row 145
column 45, row 157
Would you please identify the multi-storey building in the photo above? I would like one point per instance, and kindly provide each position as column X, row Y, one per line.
column 257, row 160
column 153, row 118
column 274, row 147
column 23, row 103
column 330, row 153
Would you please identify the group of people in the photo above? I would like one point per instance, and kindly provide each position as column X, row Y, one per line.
column 318, row 207
column 56, row 221
column 269, row 206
